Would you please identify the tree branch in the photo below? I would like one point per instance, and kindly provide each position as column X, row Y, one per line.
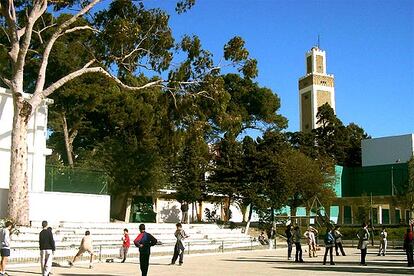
column 59, row 32
column 39, row 32
column 79, row 28
column 86, row 70
column 6, row 81
column 7, row 9
column 39, row 7
column 5, row 32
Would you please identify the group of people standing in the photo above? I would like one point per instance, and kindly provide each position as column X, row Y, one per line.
column 333, row 239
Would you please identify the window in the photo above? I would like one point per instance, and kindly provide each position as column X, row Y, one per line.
column 397, row 215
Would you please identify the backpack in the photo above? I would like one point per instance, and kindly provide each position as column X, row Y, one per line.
column 329, row 239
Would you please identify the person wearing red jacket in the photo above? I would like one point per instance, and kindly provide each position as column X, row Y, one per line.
column 144, row 241
column 125, row 245
column 408, row 246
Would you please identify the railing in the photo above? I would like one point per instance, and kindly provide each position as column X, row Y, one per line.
column 395, row 244
column 104, row 252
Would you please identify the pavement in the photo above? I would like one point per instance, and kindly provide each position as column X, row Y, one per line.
column 239, row 263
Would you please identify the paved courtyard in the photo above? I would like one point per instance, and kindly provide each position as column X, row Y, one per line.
column 260, row 262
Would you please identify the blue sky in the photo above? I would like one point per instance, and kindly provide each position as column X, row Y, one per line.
column 369, row 46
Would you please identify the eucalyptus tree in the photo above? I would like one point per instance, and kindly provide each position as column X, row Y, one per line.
column 126, row 37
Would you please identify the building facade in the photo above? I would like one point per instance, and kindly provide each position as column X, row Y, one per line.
column 377, row 189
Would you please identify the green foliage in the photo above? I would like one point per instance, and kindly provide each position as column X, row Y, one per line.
column 184, row 5
column 235, row 51
column 142, row 33
column 227, row 168
column 406, row 196
column 189, row 177
column 331, row 142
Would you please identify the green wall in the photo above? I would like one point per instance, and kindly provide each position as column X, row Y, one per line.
column 374, row 179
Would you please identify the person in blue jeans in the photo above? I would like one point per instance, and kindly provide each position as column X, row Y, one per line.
column 296, row 239
column 144, row 241
column 329, row 245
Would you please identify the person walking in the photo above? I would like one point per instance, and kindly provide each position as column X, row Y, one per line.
column 47, row 248
column 408, row 246
column 383, row 242
column 338, row 241
column 126, row 243
column 310, row 236
column 144, row 241
column 5, row 246
column 85, row 246
column 329, row 244
column 296, row 239
column 363, row 237
column 179, row 248
column 289, row 240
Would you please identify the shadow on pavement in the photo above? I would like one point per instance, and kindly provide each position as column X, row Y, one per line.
column 391, row 263
column 354, row 269
column 77, row 274
column 19, row 271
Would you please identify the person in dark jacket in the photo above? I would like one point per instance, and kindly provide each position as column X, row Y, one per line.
column 329, row 245
column 289, row 240
column 47, row 248
column 144, row 241
column 296, row 239
column 363, row 237
column 408, row 246
column 184, row 212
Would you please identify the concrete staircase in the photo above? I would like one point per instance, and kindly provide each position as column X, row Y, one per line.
column 107, row 240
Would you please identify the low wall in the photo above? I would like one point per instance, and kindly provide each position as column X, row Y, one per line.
column 55, row 207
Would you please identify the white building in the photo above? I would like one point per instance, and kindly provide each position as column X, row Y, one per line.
column 50, row 206
column 387, row 150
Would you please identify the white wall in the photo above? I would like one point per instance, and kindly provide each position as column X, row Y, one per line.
column 36, row 142
column 70, row 207
column 387, row 150
column 169, row 210
column 49, row 206
column 3, row 202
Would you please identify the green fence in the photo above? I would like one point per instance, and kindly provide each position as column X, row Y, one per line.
column 76, row 180
column 379, row 180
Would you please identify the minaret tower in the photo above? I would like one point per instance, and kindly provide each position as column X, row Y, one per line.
column 315, row 89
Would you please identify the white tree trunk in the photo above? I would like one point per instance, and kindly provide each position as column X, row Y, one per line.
column 68, row 142
column 18, row 200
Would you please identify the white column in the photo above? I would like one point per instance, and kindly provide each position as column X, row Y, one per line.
column 379, row 214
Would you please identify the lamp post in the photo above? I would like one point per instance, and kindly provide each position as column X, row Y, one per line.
column 392, row 180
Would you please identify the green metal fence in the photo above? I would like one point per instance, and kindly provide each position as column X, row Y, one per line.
column 379, row 180
column 76, row 180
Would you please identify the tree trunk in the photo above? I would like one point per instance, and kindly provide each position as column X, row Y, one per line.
column 119, row 204
column 18, row 199
column 249, row 218
column 68, row 141
column 293, row 217
column 200, row 211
